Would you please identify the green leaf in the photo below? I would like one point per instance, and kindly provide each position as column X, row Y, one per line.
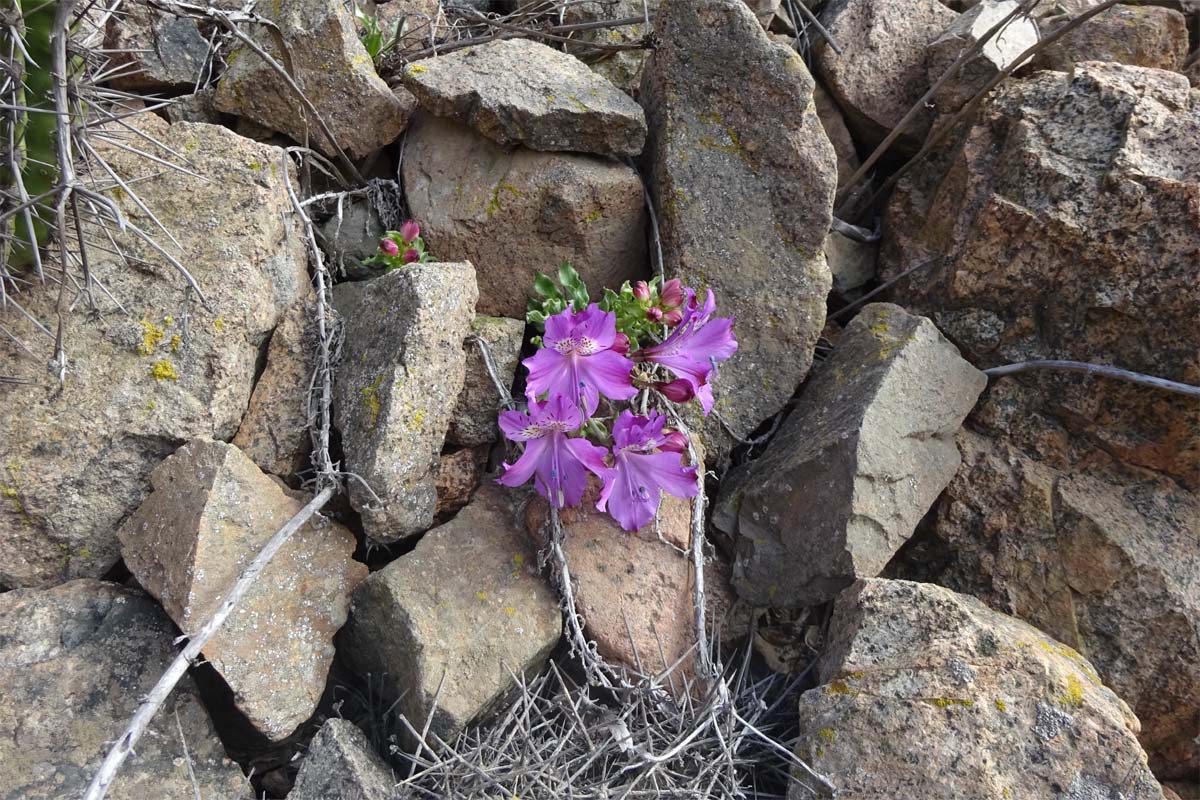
column 545, row 287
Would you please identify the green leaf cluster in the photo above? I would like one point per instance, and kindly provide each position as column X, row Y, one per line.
column 375, row 39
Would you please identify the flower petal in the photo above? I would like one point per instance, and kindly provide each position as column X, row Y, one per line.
column 520, row 472
column 515, row 424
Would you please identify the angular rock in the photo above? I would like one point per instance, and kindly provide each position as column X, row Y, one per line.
column 402, row 369
column 75, row 661
column 460, row 611
column 521, row 92
column 75, row 461
column 1141, row 36
column 1193, row 72
column 350, row 241
column 930, row 694
column 478, row 406
column 197, row 107
column 743, row 180
column 153, row 50
column 458, row 475
column 211, row 512
column 1000, row 51
column 341, row 764
column 834, row 124
column 622, row 67
column 851, row 262
column 514, row 214
column 1105, row 562
column 882, row 70
column 274, row 431
column 338, row 78
column 854, row 468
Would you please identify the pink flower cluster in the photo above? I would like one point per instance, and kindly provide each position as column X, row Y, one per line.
column 584, row 358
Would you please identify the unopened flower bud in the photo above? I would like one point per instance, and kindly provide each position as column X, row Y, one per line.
column 677, row 391
column 673, row 317
column 389, row 248
column 620, row 345
column 654, row 314
column 410, row 230
column 672, row 293
column 411, row 256
column 674, row 442
column 641, row 290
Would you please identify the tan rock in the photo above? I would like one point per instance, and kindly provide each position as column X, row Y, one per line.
column 478, row 408
column 996, row 54
column 514, row 214
column 851, row 262
column 1141, row 36
column 458, row 475
column 211, row 512
column 74, row 461
column 622, row 67
column 930, row 694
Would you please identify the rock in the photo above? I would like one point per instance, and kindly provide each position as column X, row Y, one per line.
column 341, row 764
column 743, row 178
column 997, row 53
column 1058, row 173
column 464, row 611
column 413, row 20
column 848, row 162
column 402, row 368
column 860, row 460
column 75, row 662
column 352, row 239
column 211, row 512
column 151, row 50
column 1104, row 562
column 1193, row 75
column 930, row 694
column 475, row 416
column 196, row 107
column 882, row 71
column 623, row 68
column 75, row 461
column 1182, row 791
column 851, row 262
column 1142, row 36
column 458, row 475
column 274, row 432
column 338, row 78
column 514, row 214
column 521, row 92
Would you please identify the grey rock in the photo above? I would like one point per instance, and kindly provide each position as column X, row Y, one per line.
column 743, row 184
column 881, row 72
column 401, row 373
column 478, row 406
column 1000, row 51
column 860, row 460
column 352, row 239
column 75, row 462
column 461, row 611
column 622, row 67
column 338, row 78
column 341, row 764
column 521, row 92
column 75, row 661
column 1141, row 36
column 851, row 262
column 514, row 214
column 152, row 50
column 848, row 162
column 196, row 107
column 927, row 693
column 211, row 512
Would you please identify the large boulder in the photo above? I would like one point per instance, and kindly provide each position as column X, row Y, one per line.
column 930, row 694
column 1141, row 36
column 211, row 512
column 521, row 92
column 456, row 619
column 854, row 468
column 325, row 57
column 882, row 70
column 996, row 54
column 74, row 459
column 401, row 371
column 743, row 177
column 153, row 50
column 341, row 764
column 514, row 214
column 75, row 662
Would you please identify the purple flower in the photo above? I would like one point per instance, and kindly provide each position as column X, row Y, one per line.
column 559, row 464
column 578, row 362
column 671, row 293
column 641, row 291
column 410, row 230
column 677, row 391
column 389, row 248
column 633, row 485
column 411, row 256
column 654, row 314
column 695, row 346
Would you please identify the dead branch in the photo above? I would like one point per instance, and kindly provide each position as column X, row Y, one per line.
column 1102, row 370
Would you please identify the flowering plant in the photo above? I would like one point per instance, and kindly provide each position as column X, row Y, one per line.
column 401, row 247
column 652, row 341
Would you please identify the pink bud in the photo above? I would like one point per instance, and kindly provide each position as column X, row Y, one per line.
column 620, row 345
column 641, row 290
column 654, row 314
column 411, row 256
column 672, row 293
column 389, row 247
column 675, row 442
column 673, row 317
column 677, row 391
column 410, row 230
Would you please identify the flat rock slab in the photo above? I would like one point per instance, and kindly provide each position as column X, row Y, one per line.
column 743, row 177
column 514, row 214
column 75, row 661
column 401, row 373
column 927, row 693
column 456, row 618
column 341, row 764
column 521, row 92
column 856, row 465
column 211, row 512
